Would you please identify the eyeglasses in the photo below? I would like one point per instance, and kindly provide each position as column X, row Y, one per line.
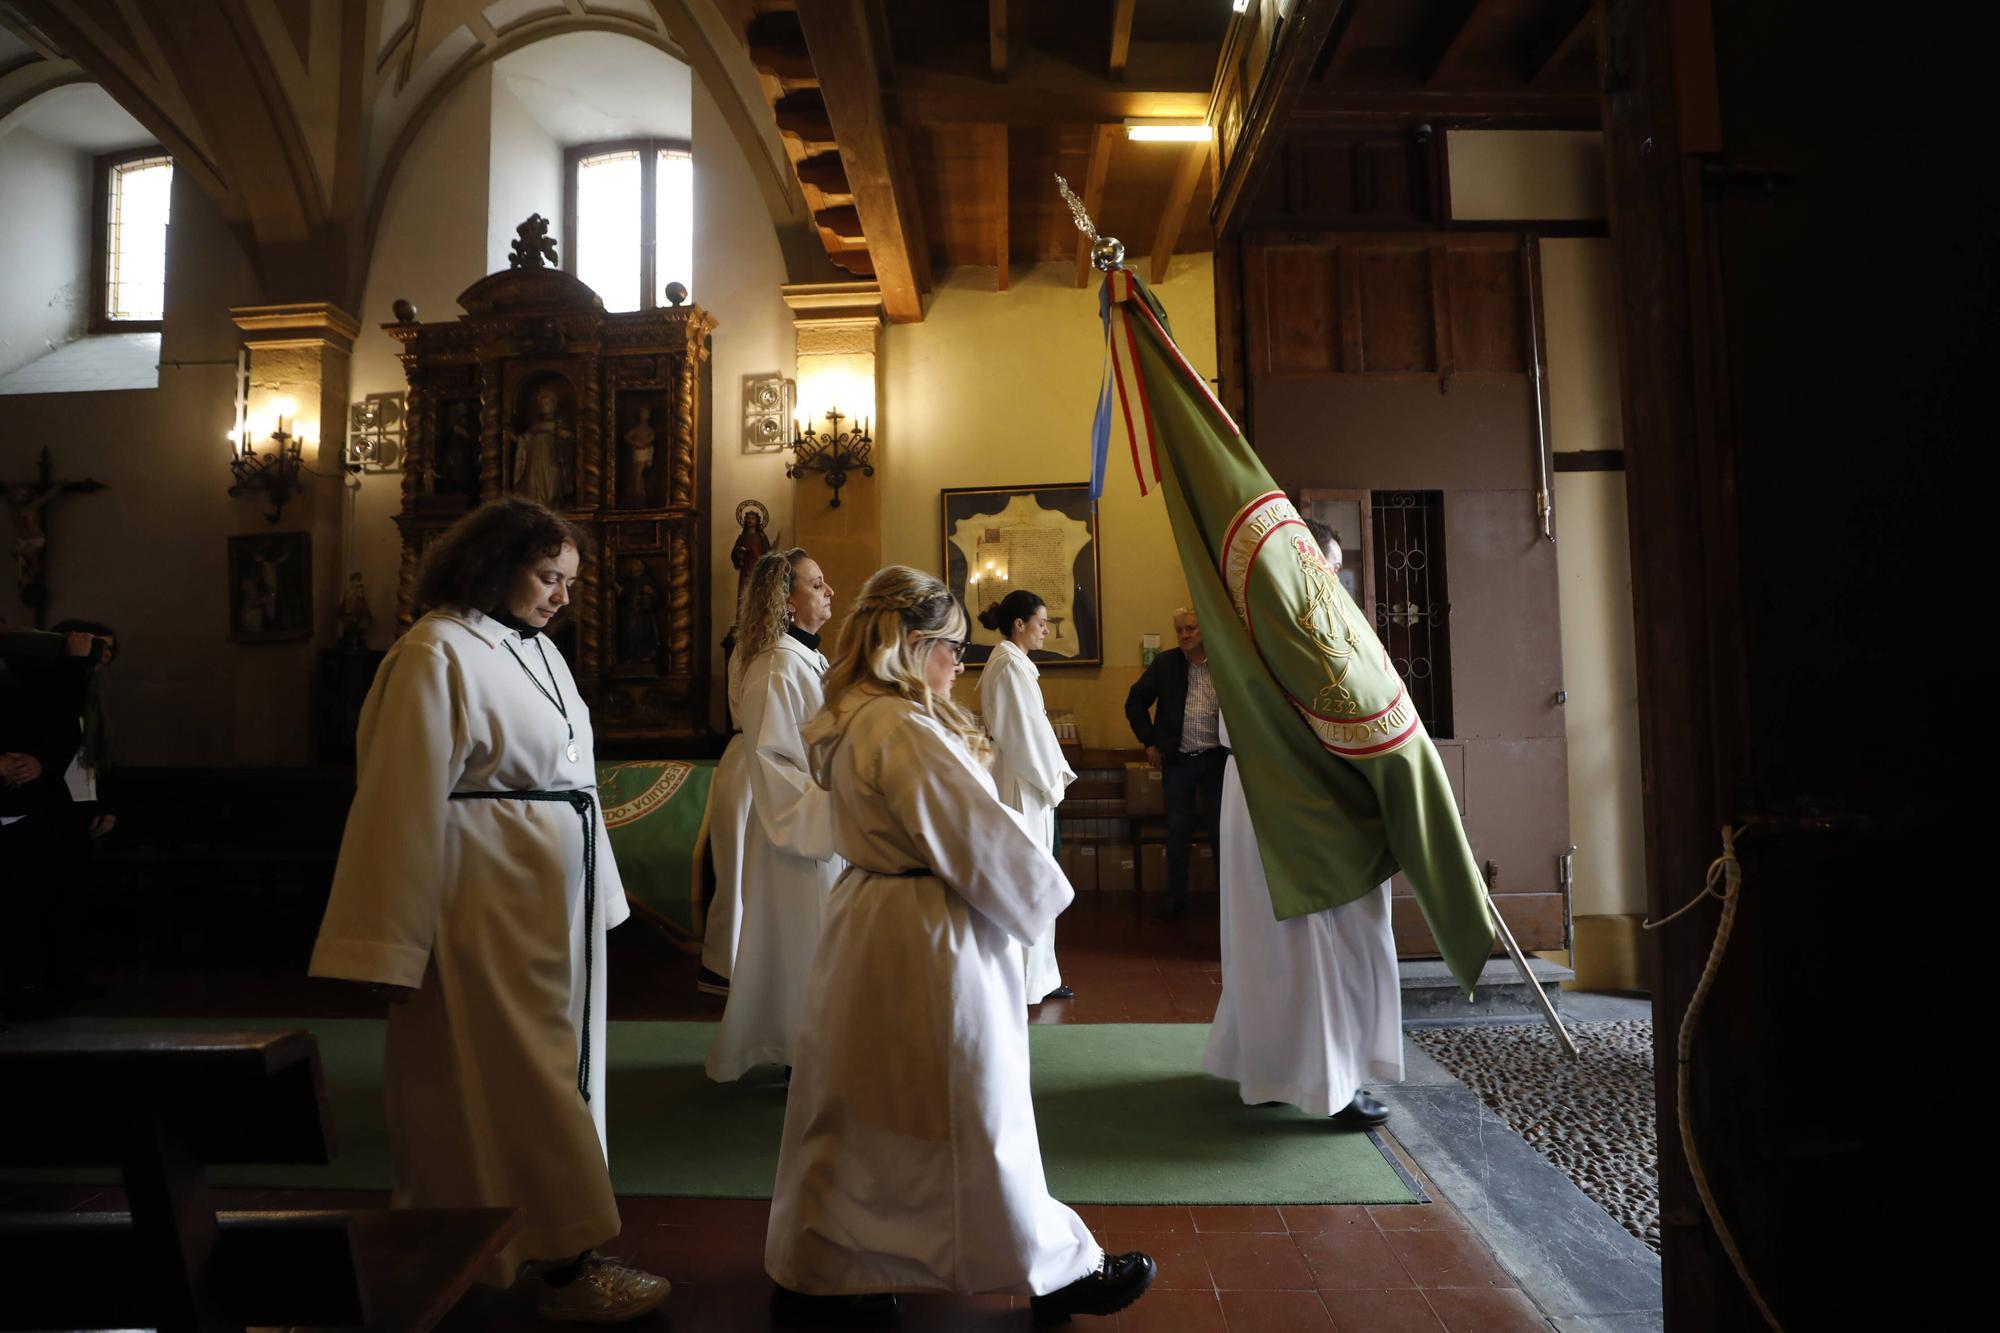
column 958, row 647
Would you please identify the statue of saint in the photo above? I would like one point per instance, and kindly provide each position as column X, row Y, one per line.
column 538, row 450
column 356, row 617
column 638, row 615
column 640, row 439
column 458, row 452
column 25, row 504
column 751, row 543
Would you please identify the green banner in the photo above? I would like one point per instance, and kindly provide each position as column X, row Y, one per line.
column 657, row 816
column 1344, row 785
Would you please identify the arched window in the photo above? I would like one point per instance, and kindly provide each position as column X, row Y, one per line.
column 132, row 199
column 630, row 208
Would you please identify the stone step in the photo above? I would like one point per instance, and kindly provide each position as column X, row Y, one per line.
column 1430, row 994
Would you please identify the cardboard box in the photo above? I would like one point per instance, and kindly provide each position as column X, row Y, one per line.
column 1201, row 870
column 1145, row 790
column 1084, row 878
column 1153, row 867
column 1117, row 868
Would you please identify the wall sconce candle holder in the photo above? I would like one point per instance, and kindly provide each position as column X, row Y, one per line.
column 278, row 474
column 833, row 452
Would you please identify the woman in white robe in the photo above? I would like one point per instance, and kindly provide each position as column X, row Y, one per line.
column 788, row 865
column 910, row 1160
column 479, row 918
column 728, row 820
column 1029, row 771
column 1311, row 1007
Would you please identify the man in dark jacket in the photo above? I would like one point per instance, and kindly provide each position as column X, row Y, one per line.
column 38, row 737
column 1173, row 712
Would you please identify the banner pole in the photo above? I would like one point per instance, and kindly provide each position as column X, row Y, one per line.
column 1534, row 986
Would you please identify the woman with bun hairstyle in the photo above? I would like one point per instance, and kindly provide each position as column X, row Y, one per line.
column 1028, row 767
column 787, row 865
column 910, row 1160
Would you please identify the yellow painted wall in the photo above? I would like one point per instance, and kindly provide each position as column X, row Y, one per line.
column 1538, row 176
column 998, row 389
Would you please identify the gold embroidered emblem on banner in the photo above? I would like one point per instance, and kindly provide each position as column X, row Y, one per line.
column 1311, row 636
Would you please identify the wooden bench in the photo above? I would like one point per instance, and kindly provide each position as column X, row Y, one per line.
column 161, row 1106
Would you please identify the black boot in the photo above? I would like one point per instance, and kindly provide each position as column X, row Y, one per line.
column 795, row 1309
column 1119, row 1280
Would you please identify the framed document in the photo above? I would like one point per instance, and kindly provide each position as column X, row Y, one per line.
column 1041, row 538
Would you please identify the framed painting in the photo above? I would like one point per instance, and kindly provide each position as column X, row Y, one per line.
column 1040, row 538
column 270, row 587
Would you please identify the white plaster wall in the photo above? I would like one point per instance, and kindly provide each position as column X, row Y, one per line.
column 431, row 246
column 738, row 273
column 45, row 265
column 524, row 174
column 1545, row 175
column 148, row 554
column 1541, row 176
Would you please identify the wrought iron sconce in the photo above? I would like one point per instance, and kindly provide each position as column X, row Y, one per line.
column 375, row 433
column 834, row 452
column 277, row 473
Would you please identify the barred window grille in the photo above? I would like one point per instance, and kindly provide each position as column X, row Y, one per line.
column 139, row 194
column 1412, row 601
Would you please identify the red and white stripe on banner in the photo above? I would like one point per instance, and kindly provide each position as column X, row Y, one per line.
column 1135, row 412
column 1125, row 296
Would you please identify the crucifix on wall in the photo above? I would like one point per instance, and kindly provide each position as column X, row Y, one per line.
column 27, row 506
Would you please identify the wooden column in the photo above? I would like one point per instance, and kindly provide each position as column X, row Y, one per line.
column 840, row 338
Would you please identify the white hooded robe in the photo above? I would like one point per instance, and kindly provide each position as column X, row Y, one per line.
column 1312, row 1007
column 728, row 823
column 910, row 1160
column 1029, row 772
column 480, row 906
column 788, row 865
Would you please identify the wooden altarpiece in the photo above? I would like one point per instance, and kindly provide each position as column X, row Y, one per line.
column 536, row 390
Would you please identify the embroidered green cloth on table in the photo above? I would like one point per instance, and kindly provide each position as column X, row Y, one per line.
column 1344, row 785
column 657, row 815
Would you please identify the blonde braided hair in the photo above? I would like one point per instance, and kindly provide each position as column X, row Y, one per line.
column 873, row 654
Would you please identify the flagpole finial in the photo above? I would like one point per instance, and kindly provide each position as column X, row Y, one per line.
column 1106, row 252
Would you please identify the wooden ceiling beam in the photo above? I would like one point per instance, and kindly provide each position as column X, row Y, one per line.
column 905, row 177
column 1336, row 58
column 1451, row 53
column 1560, row 41
column 1463, row 108
column 1094, row 177
column 993, row 165
column 843, row 56
column 1313, row 28
column 1186, row 177
column 1121, row 38
column 1038, row 91
column 996, row 38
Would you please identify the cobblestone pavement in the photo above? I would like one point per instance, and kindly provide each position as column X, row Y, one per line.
column 1592, row 1117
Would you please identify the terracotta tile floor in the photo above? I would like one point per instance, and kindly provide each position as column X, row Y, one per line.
column 1353, row 1269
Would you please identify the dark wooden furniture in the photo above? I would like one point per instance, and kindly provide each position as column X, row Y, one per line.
column 537, row 390
column 161, row 1106
column 229, row 850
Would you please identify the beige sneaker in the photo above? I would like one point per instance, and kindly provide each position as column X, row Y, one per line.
column 605, row 1292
